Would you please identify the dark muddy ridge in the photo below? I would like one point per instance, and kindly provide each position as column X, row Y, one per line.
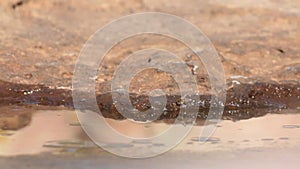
column 243, row 101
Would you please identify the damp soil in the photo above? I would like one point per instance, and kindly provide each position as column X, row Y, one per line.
column 243, row 101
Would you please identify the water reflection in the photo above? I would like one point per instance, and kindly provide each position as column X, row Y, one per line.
column 59, row 131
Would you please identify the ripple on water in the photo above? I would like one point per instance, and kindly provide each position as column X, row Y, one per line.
column 117, row 145
column 290, row 126
column 267, row 139
column 205, row 139
column 69, row 144
column 283, row 138
column 158, row 144
column 141, row 142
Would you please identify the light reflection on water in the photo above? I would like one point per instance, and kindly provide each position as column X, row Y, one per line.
column 56, row 130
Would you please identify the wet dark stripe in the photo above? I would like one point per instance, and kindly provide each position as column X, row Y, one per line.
column 242, row 100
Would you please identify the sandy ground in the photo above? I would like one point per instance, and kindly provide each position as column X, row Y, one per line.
column 41, row 40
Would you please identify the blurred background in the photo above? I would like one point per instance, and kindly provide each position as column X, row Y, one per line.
column 258, row 44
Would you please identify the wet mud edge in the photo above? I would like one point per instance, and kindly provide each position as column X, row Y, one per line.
column 239, row 100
